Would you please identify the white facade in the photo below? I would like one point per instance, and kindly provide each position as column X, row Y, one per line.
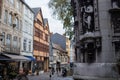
column 27, row 32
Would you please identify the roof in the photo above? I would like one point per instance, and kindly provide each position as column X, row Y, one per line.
column 45, row 21
column 23, row 1
column 36, row 10
column 56, row 46
column 59, row 39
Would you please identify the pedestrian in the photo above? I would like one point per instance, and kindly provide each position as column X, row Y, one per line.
column 22, row 75
column 50, row 74
column 53, row 70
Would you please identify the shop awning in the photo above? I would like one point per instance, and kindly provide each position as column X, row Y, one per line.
column 31, row 58
column 4, row 58
column 16, row 57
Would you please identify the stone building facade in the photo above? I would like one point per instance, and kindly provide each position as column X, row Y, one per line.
column 11, row 25
column 11, row 17
column 97, row 39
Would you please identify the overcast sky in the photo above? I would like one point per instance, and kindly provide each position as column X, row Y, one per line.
column 55, row 25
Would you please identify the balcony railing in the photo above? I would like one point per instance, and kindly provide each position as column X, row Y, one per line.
column 11, row 49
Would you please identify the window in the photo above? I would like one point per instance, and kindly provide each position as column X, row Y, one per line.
column 117, row 47
column 19, row 43
column 28, row 28
column 54, row 57
column 31, row 15
column 31, row 29
column 59, row 57
column 25, row 45
column 5, row 16
column 8, row 39
column 15, row 41
column 46, row 37
column 18, row 4
column 39, row 22
column 12, row 2
column 20, row 27
column 66, row 59
column 3, row 41
column 41, row 34
column 25, row 10
column 17, row 23
column 10, row 19
column 91, row 55
column 115, row 19
column 29, row 45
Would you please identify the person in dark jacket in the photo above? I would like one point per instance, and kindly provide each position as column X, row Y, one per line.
column 22, row 75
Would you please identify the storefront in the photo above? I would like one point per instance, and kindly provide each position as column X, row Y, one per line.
column 10, row 64
column 38, row 65
column 29, row 64
column 8, row 67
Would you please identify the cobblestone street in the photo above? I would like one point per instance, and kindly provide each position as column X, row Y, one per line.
column 45, row 76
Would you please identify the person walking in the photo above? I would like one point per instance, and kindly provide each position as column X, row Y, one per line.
column 52, row 70
column 22, row 75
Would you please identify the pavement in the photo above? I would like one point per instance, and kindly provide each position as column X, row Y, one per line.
column 45, row 76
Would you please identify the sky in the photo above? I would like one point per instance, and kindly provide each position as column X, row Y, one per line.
column 54, row 24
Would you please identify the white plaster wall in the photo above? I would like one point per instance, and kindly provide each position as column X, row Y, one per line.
column 27, row 31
